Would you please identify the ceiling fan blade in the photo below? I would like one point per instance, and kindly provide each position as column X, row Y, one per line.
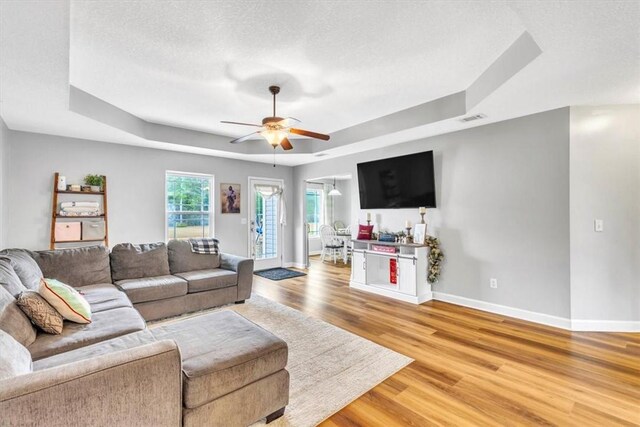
column 244, row 138
column 240, row 123
column 288, row 122
column 286, row 144
column 310, row 134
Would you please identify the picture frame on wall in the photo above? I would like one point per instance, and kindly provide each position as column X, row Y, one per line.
column 419, row 233
column 230, row 198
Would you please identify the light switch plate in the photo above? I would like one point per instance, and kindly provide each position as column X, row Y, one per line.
column 598, row 225
column 243, row 221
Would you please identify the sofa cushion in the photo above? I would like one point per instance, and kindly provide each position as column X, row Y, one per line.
column 182, row 259
column 9, row 279
column 24, row 266
column 104, row 296
column 13, row 321
column 40, row 312
column 207, row 280
column 104, row 326
column 153, row 288
column 14, row 357
column 124, row 342
column 129, row 261
column 66, row 299
column 222, row 352
column 77, row 267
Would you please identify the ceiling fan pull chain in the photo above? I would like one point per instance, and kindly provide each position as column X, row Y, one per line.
column 274, row 154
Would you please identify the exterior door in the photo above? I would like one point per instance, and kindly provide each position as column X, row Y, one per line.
column 265, row 229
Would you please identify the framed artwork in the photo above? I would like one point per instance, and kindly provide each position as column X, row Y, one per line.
column 230, row 198
column 419, row 233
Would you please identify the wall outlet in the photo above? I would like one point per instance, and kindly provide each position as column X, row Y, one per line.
column 493, row 283
column 598, row 225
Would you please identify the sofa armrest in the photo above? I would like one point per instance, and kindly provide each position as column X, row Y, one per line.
column 244, row 267
column 137, row 386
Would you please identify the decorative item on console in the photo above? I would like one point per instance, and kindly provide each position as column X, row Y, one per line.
column 422, row 211
column 419, row 233
column 436, row 257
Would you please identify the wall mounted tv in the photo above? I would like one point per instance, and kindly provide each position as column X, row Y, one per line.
column 398, row 182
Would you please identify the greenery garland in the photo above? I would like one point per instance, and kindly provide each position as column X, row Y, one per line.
column 436, row 256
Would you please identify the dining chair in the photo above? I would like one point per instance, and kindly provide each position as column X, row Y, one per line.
column 330, row 244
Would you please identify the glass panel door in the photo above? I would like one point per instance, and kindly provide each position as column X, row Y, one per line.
column 265, row 229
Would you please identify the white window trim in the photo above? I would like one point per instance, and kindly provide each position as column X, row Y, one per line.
column 212, row 200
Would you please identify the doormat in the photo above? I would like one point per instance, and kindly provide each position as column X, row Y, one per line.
column 279, row 273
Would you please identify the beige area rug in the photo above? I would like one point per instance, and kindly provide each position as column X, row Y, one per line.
column 329, row 367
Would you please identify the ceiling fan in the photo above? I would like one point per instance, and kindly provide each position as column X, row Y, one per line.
column 276, row 129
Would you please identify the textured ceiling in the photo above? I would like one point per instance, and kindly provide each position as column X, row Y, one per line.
column 339, row 63
column 192, row 64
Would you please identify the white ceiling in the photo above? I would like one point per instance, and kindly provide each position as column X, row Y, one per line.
column 192, row 64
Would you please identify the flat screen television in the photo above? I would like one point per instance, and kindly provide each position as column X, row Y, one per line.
column 398, row 182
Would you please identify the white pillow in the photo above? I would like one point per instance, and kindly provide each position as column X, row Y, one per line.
column 68, row 301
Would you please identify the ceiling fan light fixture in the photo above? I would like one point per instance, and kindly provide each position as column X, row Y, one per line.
column 273, row 137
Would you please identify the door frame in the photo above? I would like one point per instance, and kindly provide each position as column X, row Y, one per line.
column 250, row 180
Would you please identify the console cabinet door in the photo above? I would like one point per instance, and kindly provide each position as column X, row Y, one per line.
column 358, row 267
column 407, row 276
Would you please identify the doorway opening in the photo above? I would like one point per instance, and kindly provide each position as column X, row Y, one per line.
column 328, row 219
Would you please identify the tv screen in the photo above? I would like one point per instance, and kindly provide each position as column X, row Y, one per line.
column 398, row 182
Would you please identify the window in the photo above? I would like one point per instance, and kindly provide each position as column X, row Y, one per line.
column 315, row 210
column 189, row 205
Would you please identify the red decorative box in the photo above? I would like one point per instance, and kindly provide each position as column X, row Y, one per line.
column 385, row 249
column 393, row 271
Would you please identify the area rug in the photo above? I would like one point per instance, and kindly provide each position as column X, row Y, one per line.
column 279, row 273
column 329, row 367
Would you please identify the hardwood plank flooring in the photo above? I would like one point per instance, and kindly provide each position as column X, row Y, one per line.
column 471, row 367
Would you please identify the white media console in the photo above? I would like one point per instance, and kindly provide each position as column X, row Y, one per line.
column 401, row 274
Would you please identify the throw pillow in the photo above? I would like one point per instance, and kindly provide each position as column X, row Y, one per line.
column 41, row 313
column 25, row 267
column 364, row 232
column 15, row 359
column 66, row 300
column 9, row 279
column 13, row 321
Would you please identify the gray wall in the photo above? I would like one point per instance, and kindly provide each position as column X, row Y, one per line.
column 605, row 184
column 503, row 209
column 136, row 188
column 4, row 163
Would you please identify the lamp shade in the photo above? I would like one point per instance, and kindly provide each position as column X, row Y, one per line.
column 335, row 192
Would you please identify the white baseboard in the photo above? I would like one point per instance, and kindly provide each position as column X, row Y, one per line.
column 544, row 319
column 605, row 325
column 531, row 316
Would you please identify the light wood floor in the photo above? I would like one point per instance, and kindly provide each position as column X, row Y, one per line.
column 472, row 367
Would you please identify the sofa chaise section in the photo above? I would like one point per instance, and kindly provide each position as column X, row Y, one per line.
column 141, row 383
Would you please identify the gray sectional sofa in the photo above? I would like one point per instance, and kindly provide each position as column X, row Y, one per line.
column 213, row 369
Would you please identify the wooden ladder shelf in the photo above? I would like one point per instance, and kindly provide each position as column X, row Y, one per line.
column 55, row 216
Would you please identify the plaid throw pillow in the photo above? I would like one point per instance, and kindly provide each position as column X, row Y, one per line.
column 204, row 246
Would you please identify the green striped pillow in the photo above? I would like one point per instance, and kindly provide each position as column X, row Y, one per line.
column 66, row 300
